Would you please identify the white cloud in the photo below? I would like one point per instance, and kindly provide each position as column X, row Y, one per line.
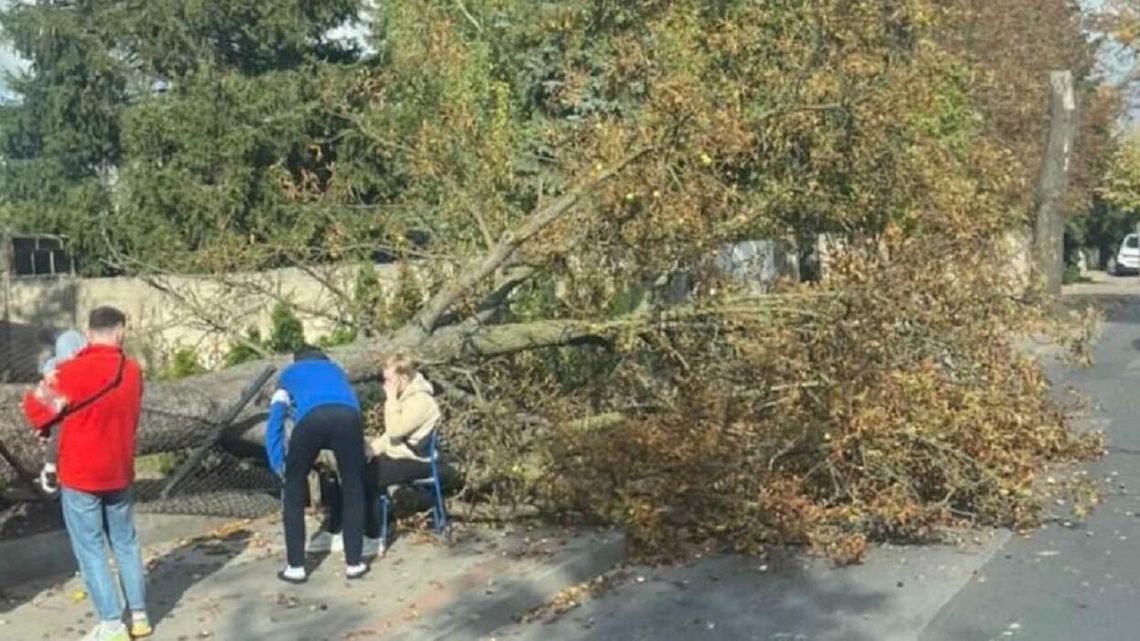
column 10, row 62
column 358, row 30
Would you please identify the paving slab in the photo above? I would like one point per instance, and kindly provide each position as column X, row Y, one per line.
column 224, row 586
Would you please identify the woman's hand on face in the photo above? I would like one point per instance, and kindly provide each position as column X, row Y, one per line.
column 391, row 387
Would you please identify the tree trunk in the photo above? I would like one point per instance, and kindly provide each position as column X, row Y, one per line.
column 1054, row 182
column 180, row 414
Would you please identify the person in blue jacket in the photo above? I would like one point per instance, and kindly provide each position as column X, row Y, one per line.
column 315, row 394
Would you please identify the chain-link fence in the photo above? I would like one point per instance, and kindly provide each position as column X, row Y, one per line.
column 221, row 485
column 208, row 478
column 193, row 473
column 23, row 349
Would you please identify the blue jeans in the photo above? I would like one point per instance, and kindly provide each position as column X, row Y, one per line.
column 88, row 517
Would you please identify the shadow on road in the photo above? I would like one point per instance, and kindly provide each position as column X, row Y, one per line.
column 727, row 597
column 171, row 575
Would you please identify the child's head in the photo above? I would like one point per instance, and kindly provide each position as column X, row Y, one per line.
column 67, row 345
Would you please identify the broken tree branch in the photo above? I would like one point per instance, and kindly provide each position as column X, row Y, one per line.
column 480, row 268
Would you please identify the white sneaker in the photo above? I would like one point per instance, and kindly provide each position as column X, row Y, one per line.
column 373, row 547
column 353, row 572
column 325, row 542
column 293, row 575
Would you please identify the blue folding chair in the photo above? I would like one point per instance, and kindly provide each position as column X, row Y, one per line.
column 430, row 485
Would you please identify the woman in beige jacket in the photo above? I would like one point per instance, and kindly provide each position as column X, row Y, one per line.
column 400, row 454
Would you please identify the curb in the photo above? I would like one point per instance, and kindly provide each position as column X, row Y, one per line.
column 492, row 594
column 48, row 555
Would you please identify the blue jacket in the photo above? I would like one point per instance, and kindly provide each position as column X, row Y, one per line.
column 301, row 388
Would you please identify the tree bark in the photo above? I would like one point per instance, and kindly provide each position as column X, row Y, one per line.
column 180, row 414
column 1054, row 182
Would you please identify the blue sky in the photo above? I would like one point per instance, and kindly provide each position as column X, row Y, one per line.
column 1116, row 61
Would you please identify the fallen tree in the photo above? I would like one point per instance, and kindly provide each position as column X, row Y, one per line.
column 629, row 143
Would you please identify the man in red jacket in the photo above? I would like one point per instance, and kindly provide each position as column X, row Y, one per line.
column 95, row 399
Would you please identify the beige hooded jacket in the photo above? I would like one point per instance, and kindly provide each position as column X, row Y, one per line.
column 408, row 420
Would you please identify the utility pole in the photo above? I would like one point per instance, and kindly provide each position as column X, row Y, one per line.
column 5, row 294
column 1048, row 240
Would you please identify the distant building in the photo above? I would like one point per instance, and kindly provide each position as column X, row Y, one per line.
column 758, row 264
column 36, row 255
column 40, row 261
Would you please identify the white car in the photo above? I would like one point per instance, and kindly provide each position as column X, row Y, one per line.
column 1127, row 258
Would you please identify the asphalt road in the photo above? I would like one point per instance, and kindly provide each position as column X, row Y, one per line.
column 1077, row 582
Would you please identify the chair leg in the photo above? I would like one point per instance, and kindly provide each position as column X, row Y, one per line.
column 440, row 512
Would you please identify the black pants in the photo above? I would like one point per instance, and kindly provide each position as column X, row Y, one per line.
column 328, row 427
column 379, row 473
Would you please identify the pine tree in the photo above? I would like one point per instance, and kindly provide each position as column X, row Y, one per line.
column 62, row 140
column 170, row 128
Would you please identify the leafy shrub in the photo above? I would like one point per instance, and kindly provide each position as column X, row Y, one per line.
column 161, row 464
column 407, row 299
column 183, row 364
column 1072, row 274
column 368, row 300
column 339, row 336
column 240, row 352
column 286, row 333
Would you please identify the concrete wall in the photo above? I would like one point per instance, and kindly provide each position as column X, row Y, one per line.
column 189, row 314
column 1013, row 256
column 162, row 322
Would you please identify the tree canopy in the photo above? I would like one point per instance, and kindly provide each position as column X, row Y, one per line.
column 243, row 134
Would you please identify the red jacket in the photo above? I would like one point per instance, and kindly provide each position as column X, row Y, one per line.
column 97, row 441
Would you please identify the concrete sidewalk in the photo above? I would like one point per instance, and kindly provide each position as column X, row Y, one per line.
column 38, row 556
column 483, row 585
column 223, row 586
